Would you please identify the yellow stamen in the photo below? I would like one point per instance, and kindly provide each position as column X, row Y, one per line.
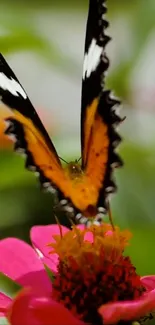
column 74, row 243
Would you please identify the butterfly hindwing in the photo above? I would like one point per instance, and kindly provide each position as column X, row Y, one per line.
column 98, row 117
column 95, row 64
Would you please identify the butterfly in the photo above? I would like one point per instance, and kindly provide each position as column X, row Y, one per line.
column 83, row 188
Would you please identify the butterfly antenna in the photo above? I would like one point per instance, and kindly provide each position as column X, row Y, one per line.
column 79, row 159
column 110, row 216
column 63, row 160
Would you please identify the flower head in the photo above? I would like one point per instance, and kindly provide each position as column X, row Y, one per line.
column 92, row 273
column 94, row 282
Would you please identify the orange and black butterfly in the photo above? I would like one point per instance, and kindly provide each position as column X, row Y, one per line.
column 83, row 188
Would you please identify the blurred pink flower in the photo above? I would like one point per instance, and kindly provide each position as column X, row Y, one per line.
column 64, row 301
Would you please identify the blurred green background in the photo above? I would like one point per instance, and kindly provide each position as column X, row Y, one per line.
column 43, row 42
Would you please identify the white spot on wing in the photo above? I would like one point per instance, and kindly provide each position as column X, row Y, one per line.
column 7, row 123
column 21, row 151
column 78, row 216
column 91, row 59
column 46, row 184
column 69, row 209
column 51, row 189
column 63, row 202
column 12, row 137
column 101, row 210
column 11, row 85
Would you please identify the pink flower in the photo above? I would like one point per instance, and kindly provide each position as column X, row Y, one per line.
column 82, row 290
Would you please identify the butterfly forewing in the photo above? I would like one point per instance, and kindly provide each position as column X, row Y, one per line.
column 14, row 96
column 30, row 135
column 98, row 117
column 95, row 64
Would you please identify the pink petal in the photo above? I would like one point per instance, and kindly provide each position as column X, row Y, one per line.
column 81, row 227
column 39, row 310
column 112, row 313
column 88, row 236
column 50, row 312
column 41, row 236
column 20, row 311
column 5, row 301
column 148, row 282
column 20, row 262
column 109, row 233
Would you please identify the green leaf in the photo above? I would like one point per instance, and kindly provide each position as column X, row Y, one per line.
column 50, row 273
column 8, row 286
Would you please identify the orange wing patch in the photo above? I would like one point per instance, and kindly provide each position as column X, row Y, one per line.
column 96, row 146
column 79, row 190
column 42, row 155
column 88, row 123
column 98, row 153
column 5, row 142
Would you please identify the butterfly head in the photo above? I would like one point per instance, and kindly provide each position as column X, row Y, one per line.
column 74, row 169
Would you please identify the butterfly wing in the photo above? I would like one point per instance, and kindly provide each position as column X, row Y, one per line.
column 98, row 116
column 28, row 130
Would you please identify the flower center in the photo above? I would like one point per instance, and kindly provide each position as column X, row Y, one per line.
column 93, row 271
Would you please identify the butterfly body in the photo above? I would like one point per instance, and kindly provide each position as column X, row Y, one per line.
column 86, row 186
column 74, row 170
